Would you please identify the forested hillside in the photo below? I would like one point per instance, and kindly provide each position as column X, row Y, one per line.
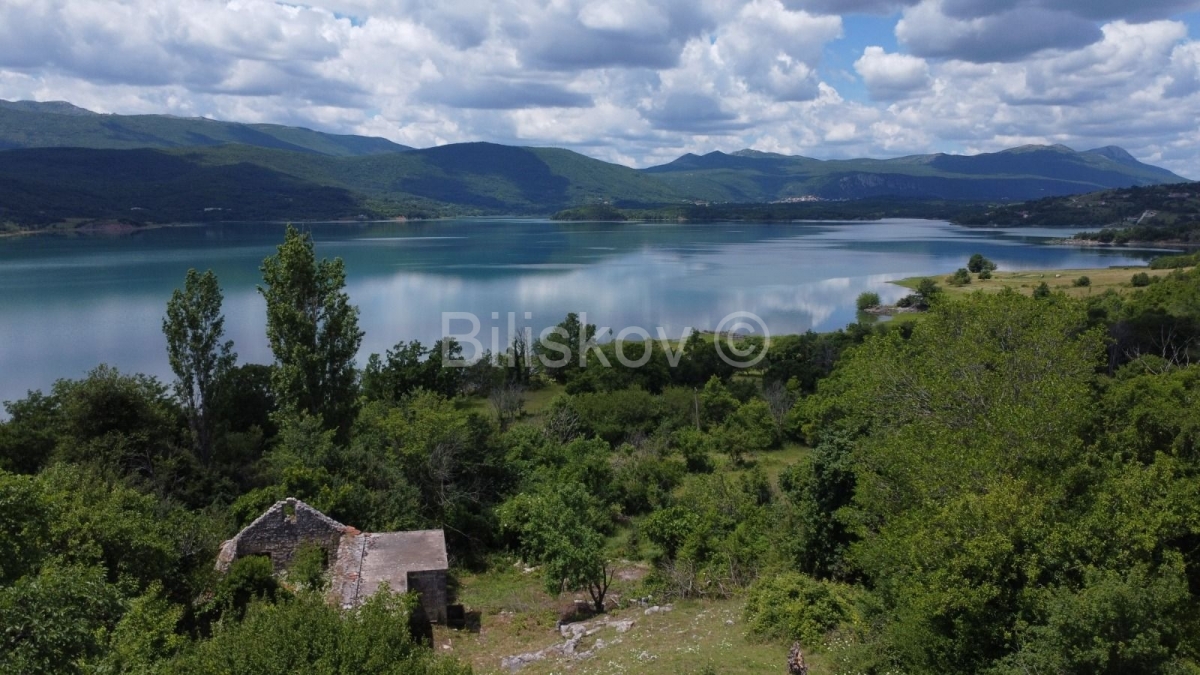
column 1007, row 484
column 64, row 166
column 29, row 124
column 1017, row 174
column 237, row 182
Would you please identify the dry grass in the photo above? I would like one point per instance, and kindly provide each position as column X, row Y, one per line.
column 1105, row 279
column 695, row 637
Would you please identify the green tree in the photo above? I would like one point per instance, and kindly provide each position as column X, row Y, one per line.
column 194, row 328
column 146, row 634
column 817, row 489
column 927, row 288
column 1042, row 291
column 123, row 423
column 407, row 367
column 560, row 350
column 556, row 527
column 28, row 438
column 749, row 429
column 978, row 264
column 56, row 621
column 313, row 331
column 716, row 403
column 867, row 300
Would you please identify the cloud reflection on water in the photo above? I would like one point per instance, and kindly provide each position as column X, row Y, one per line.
column 68, row 305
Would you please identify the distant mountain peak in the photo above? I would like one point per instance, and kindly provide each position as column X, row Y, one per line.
column 49, row 124
column 1037, row 147
column 1115, row 153
column 758, row 154
column 54, row 107
column 1021, row 173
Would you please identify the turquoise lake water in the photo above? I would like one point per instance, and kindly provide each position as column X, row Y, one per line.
column 68, row 304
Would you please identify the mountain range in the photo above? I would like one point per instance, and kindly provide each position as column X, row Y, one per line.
column 59, row 162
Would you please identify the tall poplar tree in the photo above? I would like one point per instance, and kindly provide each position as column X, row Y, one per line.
column 313, row 331
column 195, row 327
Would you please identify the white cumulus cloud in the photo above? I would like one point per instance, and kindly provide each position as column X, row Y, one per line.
column 891, row 76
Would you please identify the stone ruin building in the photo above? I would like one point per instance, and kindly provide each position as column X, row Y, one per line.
column 359, row 562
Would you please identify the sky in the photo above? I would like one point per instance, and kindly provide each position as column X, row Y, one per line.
column 639, row 82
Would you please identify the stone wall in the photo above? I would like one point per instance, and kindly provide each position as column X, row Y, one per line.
column 431, row 589
column 280, row 531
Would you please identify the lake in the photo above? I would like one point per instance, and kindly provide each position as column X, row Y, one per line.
column 70, row 303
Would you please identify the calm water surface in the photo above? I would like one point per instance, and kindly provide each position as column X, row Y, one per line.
column 70, row 303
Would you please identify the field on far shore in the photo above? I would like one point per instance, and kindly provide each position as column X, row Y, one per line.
column 1024, row 281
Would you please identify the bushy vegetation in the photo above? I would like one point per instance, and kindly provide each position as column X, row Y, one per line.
column 793, row 606
column 1141, row 280
column 867, row 300
column 1172, row 262
column 1006, row 485
column 961, row 277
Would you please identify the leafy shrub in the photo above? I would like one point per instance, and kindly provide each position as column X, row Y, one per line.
column 305, row 635
column 961, row 277
column 1082, row 282
column 1140, row 280
column 308, row 566
column 615, row 415
column 249, row 579
column 643, row 479
column 1042, row 290
column 867, row 300
column 669, row 528
column 793, row 606
column 693, row 445
column 723, row 534
column 985, row 274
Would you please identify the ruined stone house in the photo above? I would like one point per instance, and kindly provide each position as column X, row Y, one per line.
column 359, row 562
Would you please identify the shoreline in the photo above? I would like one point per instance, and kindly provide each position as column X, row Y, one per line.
column 1092, row 243
column 117, row 229
column 1099, row 280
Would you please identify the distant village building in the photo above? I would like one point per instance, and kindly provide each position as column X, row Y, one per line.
column 360, row 562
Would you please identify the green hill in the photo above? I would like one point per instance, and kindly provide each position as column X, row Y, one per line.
column 29, row 124
column 237, row 182
column 1149, row 213
column 1019, row 174
column 50, row 185
column 59, row 162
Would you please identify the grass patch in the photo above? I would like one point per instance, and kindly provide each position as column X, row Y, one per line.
column 536, row 401
column 1102, row 280
column 696, row 637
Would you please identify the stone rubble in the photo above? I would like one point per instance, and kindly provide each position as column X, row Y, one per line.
column 573, row 634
